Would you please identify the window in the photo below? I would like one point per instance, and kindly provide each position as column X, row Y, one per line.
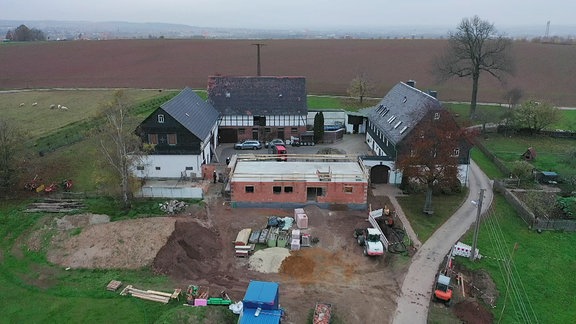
column 277, row 189
column 456, row 152
column 249, row 189
column 348, row 189
column 397, row 124
column 288, row 189
column 391, row 119
column 189, row 168
column 171, row 139
column 161, row 119
column 405, row 99
column 140, row 168
column 267, row 130
column 158, row 168
column 403, row 129
column 152, row 138
column 241, row 131
column 436, row 116
column 294, row 130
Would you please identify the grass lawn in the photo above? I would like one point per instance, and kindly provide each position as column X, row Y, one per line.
column 486, row 165
column 552, row 153
column 542, row 267
column 425, row 225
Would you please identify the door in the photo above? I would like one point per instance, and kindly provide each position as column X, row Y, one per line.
column 380, row 174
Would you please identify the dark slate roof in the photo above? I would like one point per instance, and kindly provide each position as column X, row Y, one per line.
column 400, row 110
column 197, row 115
column 258, row 96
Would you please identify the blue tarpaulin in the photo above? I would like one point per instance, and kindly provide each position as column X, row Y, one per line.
column 265, row 316
column 261, row 294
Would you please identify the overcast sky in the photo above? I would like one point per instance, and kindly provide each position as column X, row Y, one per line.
column 296, row 14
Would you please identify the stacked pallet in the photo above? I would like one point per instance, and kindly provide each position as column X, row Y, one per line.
column 113, row 285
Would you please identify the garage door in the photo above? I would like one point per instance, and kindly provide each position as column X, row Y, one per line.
column 228, row 135
column 379, row 174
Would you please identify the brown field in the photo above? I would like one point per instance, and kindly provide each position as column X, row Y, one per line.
column 543, row 71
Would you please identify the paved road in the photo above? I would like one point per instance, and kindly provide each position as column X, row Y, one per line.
column 416, row 292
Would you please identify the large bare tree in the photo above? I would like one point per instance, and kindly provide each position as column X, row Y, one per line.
column 474, row 48
column 360, row 87
column 119, row 145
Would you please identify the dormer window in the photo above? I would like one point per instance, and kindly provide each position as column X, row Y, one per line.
column 456, row 152
column 436, row 116
column 161, row 119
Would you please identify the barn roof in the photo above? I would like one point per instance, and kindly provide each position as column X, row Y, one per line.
column 195, row 114
column 400, row 111
column 258, row 96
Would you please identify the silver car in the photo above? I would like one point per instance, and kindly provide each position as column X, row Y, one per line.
column 248, row 145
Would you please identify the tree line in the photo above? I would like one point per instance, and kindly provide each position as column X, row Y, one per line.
column 24, row 34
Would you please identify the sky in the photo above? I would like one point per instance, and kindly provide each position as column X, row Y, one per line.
column 297, row 14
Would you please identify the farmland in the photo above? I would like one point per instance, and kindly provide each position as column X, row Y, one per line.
column 543, row 71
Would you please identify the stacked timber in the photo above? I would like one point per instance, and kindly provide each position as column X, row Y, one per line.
column 55, row 206
column 152, row 295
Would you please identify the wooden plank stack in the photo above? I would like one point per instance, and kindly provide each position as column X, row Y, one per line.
column 153, row 295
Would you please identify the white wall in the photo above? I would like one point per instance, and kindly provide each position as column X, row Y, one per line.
column 170, row 166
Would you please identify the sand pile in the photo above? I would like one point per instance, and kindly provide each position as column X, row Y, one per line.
column 268, row 260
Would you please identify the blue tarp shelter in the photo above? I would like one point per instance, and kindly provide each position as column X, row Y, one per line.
column 260, row 304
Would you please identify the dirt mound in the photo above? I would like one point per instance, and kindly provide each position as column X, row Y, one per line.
column 130, row 244
column 471, row 312
column 192, row 252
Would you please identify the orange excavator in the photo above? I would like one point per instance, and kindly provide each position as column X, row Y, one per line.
column 443, row 290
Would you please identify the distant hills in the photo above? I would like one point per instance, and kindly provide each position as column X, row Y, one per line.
column 70, row 30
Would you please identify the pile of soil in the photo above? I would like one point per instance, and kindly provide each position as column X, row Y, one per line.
column 192, row 252
column 471, row 312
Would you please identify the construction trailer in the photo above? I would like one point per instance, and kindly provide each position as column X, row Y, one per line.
column 261, row 304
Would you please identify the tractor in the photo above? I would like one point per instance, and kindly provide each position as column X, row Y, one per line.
column 369, row 238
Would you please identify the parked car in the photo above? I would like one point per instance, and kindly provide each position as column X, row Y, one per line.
column 248, row 145
column 273, row 142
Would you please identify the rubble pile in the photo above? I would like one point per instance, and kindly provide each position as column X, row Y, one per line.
column 173, row 206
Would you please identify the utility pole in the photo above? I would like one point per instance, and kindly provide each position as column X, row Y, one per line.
column 258, row 45
column 477, row 225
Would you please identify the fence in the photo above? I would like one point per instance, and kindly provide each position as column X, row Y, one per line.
column 503, row 168
column 534, row 222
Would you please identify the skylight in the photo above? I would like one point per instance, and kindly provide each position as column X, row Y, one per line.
column 391, row 119
column 397, row 124
column 403, row 129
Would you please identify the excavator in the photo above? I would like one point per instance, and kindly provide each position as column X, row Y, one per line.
column 443, row 290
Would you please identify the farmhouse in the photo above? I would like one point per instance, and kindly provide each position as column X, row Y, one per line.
column 182, row 134
column 259, row 108
column 259, row 180
column 398, row 117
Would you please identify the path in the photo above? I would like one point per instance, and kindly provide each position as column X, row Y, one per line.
column 416, row 292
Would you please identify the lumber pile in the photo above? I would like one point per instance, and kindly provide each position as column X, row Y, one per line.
column 55, row 206
column 152, row 295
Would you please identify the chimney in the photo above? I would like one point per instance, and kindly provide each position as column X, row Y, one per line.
column 433, row 93
column 411, row 83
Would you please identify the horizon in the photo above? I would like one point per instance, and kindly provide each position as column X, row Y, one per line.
column 298, row 14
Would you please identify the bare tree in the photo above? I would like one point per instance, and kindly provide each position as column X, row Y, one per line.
column 474, row 48
column 119, row 145
column 10, row 145
column 360, row 87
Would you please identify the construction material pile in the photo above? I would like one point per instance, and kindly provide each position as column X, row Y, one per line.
column 173, row 206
